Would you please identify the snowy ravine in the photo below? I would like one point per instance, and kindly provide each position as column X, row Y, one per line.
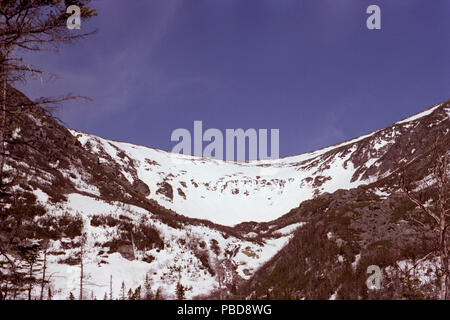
column 224, row 192
column 128, row 232
column 229, row 193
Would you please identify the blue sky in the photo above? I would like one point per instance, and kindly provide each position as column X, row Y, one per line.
column 310, row 68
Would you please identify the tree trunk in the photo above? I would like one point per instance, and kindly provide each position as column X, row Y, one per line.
column 110, row 288
column 444, row 279
column 44, row 268
column 3, row 122
column 133, row 246
column 31, row 281
column 81, row 272
column 441, row 177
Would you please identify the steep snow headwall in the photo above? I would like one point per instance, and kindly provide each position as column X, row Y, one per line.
column 229, row 193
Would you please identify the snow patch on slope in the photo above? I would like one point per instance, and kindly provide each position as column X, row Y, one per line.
column 419, row 115
column 177, row 260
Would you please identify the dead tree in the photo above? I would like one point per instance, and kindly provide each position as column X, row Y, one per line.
column 82, row 276
column 440, row 212
column 110, row 288
column 28, row 26
column 44, row 269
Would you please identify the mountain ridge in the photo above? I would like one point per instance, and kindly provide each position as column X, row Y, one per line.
column 265, row 184
column 82, row 191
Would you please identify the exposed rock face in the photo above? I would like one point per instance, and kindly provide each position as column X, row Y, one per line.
column 166, row 190
column 140, row 187
column 181, row 193
column 126, row 251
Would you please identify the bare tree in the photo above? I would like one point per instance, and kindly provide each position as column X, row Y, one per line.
column 82, row 276
column 27, row 26
column 110, row 287
column 44, row 269
column 440, row 212
column 49, row 293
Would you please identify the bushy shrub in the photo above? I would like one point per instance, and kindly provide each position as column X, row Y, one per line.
column 104, row 220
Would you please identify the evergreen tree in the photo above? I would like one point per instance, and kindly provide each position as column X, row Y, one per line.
column 105, row 297
column 122, row 290
column 137, row 293
column 158, row 294
column 29, row 254
column 71, row 296
column 180, row 290
column 130, row 294
column 148, row 295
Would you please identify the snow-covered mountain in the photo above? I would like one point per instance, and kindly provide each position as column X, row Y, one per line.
column 129, row 212
column 229, row 193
